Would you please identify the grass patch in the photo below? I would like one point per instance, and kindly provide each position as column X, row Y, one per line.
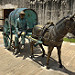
column 69, row 40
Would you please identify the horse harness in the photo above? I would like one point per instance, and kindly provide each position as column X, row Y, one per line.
column 44, row 29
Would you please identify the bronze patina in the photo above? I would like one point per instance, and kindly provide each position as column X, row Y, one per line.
column 53, row 36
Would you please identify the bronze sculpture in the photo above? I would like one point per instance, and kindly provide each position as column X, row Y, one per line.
column 53, row 37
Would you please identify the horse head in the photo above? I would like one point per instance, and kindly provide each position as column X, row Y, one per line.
column 72, row 27
column 70, row 23
column 73, row 30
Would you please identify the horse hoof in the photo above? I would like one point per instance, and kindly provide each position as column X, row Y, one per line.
column 47, row 67
column 16, row 52
column 43, row 55
column 32, row 56
column 60, row 66
column 8, row 48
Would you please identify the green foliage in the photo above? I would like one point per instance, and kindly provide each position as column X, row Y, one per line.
column 69, row 39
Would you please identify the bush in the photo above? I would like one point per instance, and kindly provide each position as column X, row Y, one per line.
column 69, row 39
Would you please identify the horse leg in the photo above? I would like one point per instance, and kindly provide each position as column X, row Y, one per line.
column 49, row 54
column 59, row 56
column 31, row 48
column 42, row 50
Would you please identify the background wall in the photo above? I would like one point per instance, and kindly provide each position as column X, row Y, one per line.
column 52, row 10
column 19, row 3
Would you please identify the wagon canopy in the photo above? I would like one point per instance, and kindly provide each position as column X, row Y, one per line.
column 30, row 16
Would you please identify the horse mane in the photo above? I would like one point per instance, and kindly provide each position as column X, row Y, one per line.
column 61, row 20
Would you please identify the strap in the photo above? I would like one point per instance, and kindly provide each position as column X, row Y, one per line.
column 46, row 29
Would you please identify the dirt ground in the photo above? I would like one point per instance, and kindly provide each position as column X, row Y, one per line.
column 22, row 64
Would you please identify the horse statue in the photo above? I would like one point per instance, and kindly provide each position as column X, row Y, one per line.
column 53, row 36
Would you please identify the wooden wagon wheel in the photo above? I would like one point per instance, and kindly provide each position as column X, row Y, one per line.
column 6, row 34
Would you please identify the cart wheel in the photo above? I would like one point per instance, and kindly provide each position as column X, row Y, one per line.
column 6, row 34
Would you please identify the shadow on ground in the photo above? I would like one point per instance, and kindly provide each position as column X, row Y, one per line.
column 53, row 64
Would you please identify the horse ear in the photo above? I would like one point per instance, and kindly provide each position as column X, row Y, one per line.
column 71, row 19
column 72, row 16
